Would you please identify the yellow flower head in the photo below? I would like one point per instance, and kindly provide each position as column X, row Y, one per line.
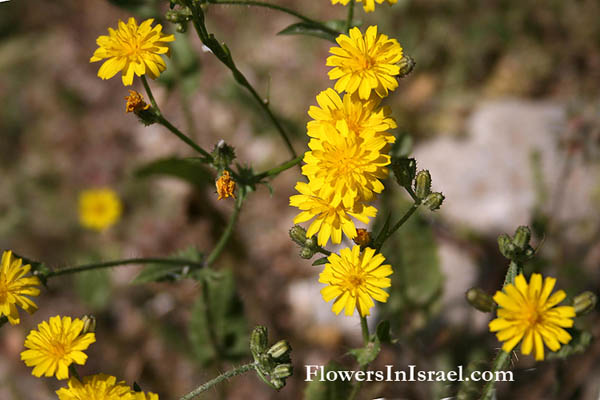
column 99, row 208
column 527, row 312
column 365, row 63
column 355, row 279
column 15, row 287
column 55, row 345
column 96, row 387
column 225, row 186
column 344, row 167
column 330, row 220
column 132, row 49
column 135, row 102
column 368, row 5
column 145, row 396
column 362, row 117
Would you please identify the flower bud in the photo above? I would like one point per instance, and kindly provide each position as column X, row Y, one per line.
column 434, row 201
column 279, row 349
column 506, row 246
column 298, row 235
column 89, row 324
column 404, row 171
column 522, row 237
column 259, row 340
column 223, row 155
column 480, row 300
column 423, row 184
column 282, row 371
column 406, row 64
column 306, row 253
column 584, row 303
column 311, row 243
column 277, row 383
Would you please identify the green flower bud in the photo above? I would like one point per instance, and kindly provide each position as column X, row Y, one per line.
column 506, row 246
column 406, row 64
column 522, row 237
column 181, row 27
column 585, row 303
column 423, row 184
column 307, row 253
column 404, row 171
column 311, row 243
column 223, row 155
column 259, row 340
column 277, row 383
column 298, row 235
column 89, row 324
column 434, row 201
column 480, row 300
column 279, row 349
column 282, row 371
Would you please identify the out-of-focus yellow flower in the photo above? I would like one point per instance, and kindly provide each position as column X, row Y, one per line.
column 527, row 312
column 132, row 49
column 368, row 5
column 330, row 220
column 135, row 102
column 225, row 186
column 97, row 387
column 365, row 63
column 354, row 279
column 99, row 208
column 55, row 345
column 15, row 287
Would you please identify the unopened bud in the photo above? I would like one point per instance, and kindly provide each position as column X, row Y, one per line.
column 89, row 324
column 277, row 383
column 223, row 155
column 406, row 64
column 480, row 300
column 306, row 253
column 311, row 243
column 423, row 184
column 522, row 237
column 434, row 201
column 298, row 235
column 404, row 171
column 259, row 340
column 506, row 246
column 282, row 371
column 279, row 349
column 585, row 303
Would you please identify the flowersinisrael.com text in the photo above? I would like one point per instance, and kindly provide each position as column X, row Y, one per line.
column 411, row 374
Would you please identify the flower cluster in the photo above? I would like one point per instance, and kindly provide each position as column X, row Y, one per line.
column 368, row 5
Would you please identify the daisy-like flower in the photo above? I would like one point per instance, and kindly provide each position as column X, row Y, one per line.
column 55, row 345
column 354, row 279
column 365, row 63
column 361, row 116
column 132, row 49
column 15, row 287
column 330, row 220
column 97, row 387
column 368, row 5
column 527, row 312
column 99, row 208
column 145, row 396
column 344, row 167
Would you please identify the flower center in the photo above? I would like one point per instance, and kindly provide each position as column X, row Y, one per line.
column 57, row 349
column 533, row 316
column 3, row 291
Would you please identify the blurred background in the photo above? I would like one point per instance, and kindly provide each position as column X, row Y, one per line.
column 503, row 108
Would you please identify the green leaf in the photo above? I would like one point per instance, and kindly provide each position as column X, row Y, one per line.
column 218, row 328
column 366, row 355
column 328, row 390
column 382, row 332
column 308, row 29
column 94, row 288
column 170, row 273
column 320, row 261
column 191, row 170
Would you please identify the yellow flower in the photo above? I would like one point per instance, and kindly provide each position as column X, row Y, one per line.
column 330, row 220
column 145, row 396
column 355, row 279
column 135, row 102
column 99, row 208
column 362, row 64
column 225, row 186
column 369, row 5
column 527, row 312
column 362, row 117
column 15, row 287
column 96, row 387
column 132, row 49
column 344, row 167
column 56, row 345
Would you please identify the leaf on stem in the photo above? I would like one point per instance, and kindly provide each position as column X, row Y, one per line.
column 191, row 170
column 171, row 272
column 308, row 29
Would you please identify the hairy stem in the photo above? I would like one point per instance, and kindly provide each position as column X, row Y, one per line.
column 365, row 334
column 226, row 375
column 220, row 246
column 279, row 169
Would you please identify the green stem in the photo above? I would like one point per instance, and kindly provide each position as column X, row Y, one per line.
column 398, row 224
column 164, row 122
column 365, row 329
column 350, row 16
column 224, row 55
column 74, row 372
column 108, row 264
column 278, row 169
column 278, row 8
column 366, row 336
column 226, row 375
column 500, row 363
column 220, row 246
column 323, row 251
